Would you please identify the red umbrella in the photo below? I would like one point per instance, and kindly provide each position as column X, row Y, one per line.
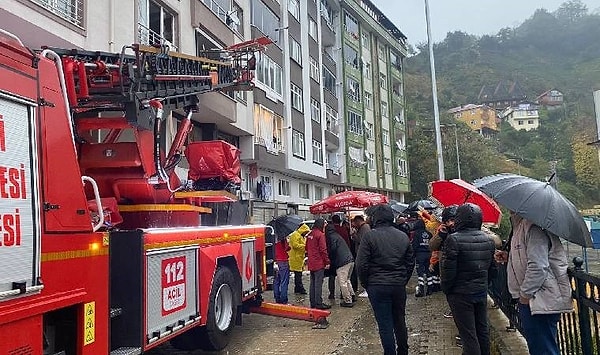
column 347, row 199
column 457, row 192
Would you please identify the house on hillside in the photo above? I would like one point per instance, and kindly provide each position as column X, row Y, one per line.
column 501, row 95
column 524, row 116
column 480, row 118
column 551, row 99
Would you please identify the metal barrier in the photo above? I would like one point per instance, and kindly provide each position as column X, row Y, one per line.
column 579, row 331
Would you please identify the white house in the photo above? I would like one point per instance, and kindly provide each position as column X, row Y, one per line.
column 524, row 116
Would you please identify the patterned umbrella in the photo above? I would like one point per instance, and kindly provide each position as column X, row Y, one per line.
column 347, row 199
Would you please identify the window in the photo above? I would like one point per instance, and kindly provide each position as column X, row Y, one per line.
column 284, row 187
column 68, row 10
column 264, row 19
column 317, row 151
column 351, row 25
column 395, row 60
column 385, row 137
column 315, row 110
column 353, row 90
column 268, row 129
column 381, row 51
column 367, row 69
column 331, row 117
column 298, row 144
column 530, row 122
column 350, row 56
column 269, row 73
column 369, row 100
column 387, row 165
column 327, row 13
column 402, row 168
column 384, row 109
column 355, row 124
column 314, row 69
column 520, row 122
column 156, row 24
column 296, row 98
column 295, row 51
column 383, row 81
column 304, row 190
column 329, row 81
column 318, row 193
column 401, row 142
column 365, row 40
column 312, row 28
column 294, row 8
column 369, row 130
column 370, row 161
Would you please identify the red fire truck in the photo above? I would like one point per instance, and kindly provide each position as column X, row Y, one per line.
column 102, row 249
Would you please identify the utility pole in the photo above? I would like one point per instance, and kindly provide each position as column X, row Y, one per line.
column 436, row 113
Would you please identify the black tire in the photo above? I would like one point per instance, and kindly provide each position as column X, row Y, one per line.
column 221, row 316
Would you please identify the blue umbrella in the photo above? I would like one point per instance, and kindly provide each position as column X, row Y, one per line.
column 594, row 227
column 539, row 203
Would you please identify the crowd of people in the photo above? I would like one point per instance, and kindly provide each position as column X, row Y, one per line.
column 453, row 253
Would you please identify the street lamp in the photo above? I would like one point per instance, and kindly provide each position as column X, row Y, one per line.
column 436, row 113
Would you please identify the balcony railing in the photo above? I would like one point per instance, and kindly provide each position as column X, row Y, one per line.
column 216, row 9
column 69, row 10
column 333, row 127
column 151, row 38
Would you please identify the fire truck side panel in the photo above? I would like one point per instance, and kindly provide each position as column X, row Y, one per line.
column 62, row 194
column 17, row 338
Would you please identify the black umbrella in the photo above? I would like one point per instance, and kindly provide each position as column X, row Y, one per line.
column 414, row 206
column 398, row 207
column 539, row 203
column 285, row 225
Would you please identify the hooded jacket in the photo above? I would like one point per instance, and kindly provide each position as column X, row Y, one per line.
column 420, row 237
column 467, row 254
column 298, row 248
column 537, row 269
column 338, row 250
column 316, row 247
column 385, row 256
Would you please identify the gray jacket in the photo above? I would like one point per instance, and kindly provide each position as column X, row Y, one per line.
column 537, row 269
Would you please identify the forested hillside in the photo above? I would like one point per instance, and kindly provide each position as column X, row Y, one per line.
column 550, row 50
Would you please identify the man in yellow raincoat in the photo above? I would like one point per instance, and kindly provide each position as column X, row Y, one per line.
column 297, row 253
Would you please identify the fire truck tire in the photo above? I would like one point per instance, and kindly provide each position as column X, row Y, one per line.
column 221, row 316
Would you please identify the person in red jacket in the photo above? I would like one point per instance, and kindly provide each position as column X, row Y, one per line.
column 318, row 262
column 282, row 276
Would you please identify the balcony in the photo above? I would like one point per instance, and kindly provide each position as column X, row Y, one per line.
column 329, row 63
column 332, row 140
column 148, row 37
column 327, row 32
column 217, row 108
column 209, row 15
column 69, row 10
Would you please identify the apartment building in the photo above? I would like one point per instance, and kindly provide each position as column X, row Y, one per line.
column 373, row 51
column 307, row 130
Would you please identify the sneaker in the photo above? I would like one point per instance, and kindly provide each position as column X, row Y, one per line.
column 323, row 306
column 353, row 298
column 300, row 292
column 346, row 304
column 448, row 314
column 419, row 292
column 331, row 296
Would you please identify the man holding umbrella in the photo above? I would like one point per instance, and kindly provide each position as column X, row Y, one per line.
column 537, row 277
column 537, row 261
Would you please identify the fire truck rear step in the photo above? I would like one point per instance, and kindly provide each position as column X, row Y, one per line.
column 126, row 351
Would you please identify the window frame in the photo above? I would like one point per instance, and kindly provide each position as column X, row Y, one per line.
column 298, row 145
column 296, row 98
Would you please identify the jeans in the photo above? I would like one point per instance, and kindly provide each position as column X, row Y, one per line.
column 316, row 288
column 470, row 317
column 540, row 331
column 389, row 305
column 281, row 282
column 298, row 286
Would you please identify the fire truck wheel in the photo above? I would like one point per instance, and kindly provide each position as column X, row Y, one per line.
column 220, row 319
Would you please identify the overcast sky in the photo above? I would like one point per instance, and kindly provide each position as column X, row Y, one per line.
column 472, row 16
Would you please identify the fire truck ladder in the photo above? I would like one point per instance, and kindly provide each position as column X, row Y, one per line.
column 100, row 82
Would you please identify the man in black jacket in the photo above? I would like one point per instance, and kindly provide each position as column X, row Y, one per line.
column 385, row 262
column 466, row 259
column 342, row 262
